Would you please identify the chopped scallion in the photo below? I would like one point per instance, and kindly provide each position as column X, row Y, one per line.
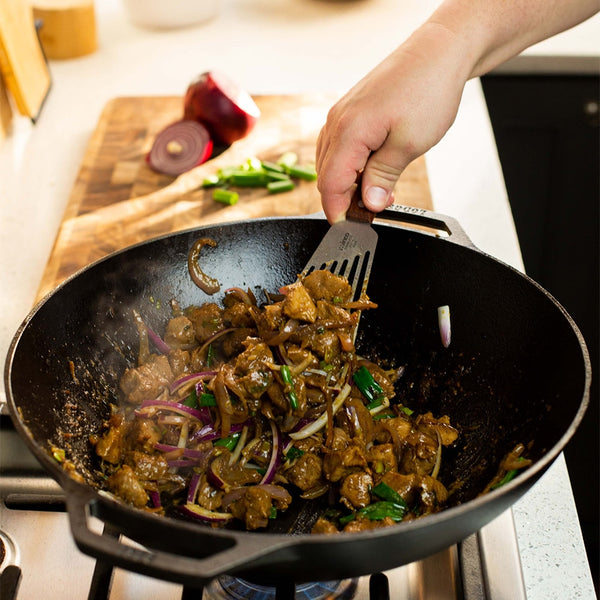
column 276, row 187
column 225, row 196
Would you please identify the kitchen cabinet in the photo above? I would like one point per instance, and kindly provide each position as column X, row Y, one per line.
column 545, row 117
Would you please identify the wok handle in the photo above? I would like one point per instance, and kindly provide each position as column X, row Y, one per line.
column 427, row 218
column 179, row 568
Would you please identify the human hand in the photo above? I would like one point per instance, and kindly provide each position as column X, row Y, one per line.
column 393, row 115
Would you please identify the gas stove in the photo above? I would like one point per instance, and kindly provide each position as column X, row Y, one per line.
column 39, row 559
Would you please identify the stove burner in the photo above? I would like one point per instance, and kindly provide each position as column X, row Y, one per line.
column 10, row 572
column 233, row 588
column 8, row 551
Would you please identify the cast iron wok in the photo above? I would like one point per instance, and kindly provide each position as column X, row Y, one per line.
column 516, row 371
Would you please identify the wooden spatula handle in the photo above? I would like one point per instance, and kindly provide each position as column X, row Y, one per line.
column 357, row 210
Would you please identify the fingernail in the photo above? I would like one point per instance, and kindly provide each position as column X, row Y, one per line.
column 376, row 198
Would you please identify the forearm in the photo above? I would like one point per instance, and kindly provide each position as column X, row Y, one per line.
column 494, row 31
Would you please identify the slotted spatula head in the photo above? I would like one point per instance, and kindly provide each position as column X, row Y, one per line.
column 348, row 248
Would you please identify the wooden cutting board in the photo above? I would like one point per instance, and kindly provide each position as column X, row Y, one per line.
column 117, row 200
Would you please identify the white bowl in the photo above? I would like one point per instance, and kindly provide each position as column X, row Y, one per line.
column 169, row 14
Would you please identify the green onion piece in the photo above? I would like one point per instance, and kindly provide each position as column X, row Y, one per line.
column 273, row 167
column 289, row 384
column 273, row 513
column 306, row 172
column 509, row 476
column 370, row 389
column 254, row 164
column 225, row 196
column 211, row 181
column 58, row 454
column 210, row 355
column 385, row 492
column 229, row 442
column 380, row 510
column 249, row 178
column 293, row 453
column 276, row 187
column 346, row 519
column 377, row 402
column 207, row 399
column 191, row 400
column 274, row 176
column 379, row 467
column 380, row 416
column 225, row 172
column 407, row 411
column 287, row 159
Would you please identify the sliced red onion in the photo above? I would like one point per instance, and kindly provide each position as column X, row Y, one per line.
column 205, row 434
column 182, row 463
column 214, row 337
column 179, row 147
column 215, row 478
column 158, row 342
column 193, row 489
column 275, row 491
column 233, row 495
column 188, row 452
column 209, row 516
column 240, row 294
column 321, row 421
column 280, row 337
column 235, row 455
column 275, row 455
column 444, row 324
column 192, row 377
column 155, row 498
column 175, row 407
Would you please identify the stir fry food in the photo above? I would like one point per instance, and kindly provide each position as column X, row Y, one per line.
column 237, row 409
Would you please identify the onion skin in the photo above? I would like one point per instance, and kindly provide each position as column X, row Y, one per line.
column 223, row 107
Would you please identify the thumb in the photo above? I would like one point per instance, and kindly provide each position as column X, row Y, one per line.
column 380, row 176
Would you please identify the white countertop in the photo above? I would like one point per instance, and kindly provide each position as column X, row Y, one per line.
column 278, row 47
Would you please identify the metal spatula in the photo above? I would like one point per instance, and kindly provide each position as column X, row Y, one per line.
column 348, row 248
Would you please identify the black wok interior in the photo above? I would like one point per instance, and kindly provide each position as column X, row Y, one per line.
column 514, row 372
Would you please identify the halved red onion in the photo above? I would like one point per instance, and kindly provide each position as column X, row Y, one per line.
column 275, row 455
column 209, row 516
column 179, row 147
